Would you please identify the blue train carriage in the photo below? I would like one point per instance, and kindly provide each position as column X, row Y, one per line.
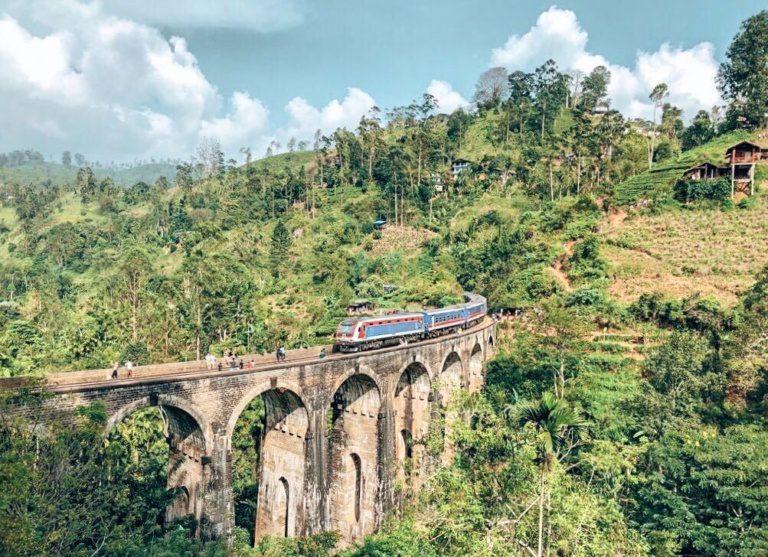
column 477, row 308
column 444, row 320
column 368, row 333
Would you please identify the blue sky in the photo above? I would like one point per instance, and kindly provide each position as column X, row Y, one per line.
column 121, row 79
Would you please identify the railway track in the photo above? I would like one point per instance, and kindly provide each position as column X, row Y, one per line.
column 57, row 383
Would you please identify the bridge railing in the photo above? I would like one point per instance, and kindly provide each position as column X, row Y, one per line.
column 261, row 362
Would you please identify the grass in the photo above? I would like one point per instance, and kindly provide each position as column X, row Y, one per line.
column 707, row 251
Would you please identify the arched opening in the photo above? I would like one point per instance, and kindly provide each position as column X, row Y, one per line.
column 358, row 484
column 268, row 461
column 412, row 413
column 450, row 383
column 159, row 452
column 490, row 343
column 353, row 458
column 407, row 440
column 286, row 506
column 476, row 377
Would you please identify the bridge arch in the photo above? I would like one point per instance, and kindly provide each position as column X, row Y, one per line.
column 475, row 369
column 354, row 456
column 450, row 381
column 412, row 405
column 281, row 453
column 188, row 433
column 170, row 403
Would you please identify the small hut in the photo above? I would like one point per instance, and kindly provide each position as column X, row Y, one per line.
column 704, row 171
column 358, row 307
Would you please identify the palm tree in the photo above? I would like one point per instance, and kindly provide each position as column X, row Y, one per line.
column 557, row 427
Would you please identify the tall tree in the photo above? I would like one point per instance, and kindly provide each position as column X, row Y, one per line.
column 491, row 88
column 657, row 96
column 595, row 87
column 701, row 130
column 743, row 77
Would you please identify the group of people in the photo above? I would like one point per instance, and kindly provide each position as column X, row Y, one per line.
column 116, row 369
column 229, row 359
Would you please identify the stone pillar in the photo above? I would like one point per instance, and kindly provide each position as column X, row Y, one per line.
column 316, row 485
column 218, row 510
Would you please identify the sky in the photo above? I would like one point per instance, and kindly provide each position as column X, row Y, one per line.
column 121, row 80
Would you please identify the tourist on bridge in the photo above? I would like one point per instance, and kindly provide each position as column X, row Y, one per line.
column 115, row 367
column 232, row 362
column 240, row 364
column 129, row 367
column 210, row 360
column 322, row 353
column 281, row 354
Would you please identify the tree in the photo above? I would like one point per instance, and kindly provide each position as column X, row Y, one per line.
column 557, row 429
column 595, row 87
column 550, row 89
column 743, row 77
column 248, row 156
column 86, row 183
column 659, row 93
column 281, row 242
column 210, row 157
column 133, row 273
column 79, row 160
column 701, row 130
column 491, row 88
column 66, row 159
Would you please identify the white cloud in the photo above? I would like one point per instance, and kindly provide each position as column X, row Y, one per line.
column 447, row 99
column 305, row 119
column 244, row 125
column 78, row 78
column 256, row 15
column 557, row 34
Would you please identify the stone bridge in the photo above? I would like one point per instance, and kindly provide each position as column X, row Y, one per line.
column 342, row 437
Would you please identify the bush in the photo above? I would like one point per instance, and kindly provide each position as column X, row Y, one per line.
column 584, row 297
column 748, row 202
column 700, row 190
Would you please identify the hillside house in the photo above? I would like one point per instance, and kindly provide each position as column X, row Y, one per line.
column 739, row 166
column 742, row 158
column 358, row 307
column 458, row 166
column 705, row 171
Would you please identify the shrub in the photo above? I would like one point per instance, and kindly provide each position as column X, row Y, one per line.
column 699, row 190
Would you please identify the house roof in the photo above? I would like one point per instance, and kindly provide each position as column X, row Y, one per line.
column 745, row 142
column 705, row 163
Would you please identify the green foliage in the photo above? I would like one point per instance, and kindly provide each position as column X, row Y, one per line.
column 702, row 491
column 698, row 190
column 742, row 78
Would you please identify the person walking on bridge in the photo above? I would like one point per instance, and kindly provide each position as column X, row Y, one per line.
column 115, row 367
column 129, row 367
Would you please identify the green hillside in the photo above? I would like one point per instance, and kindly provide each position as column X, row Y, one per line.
column 38, row 173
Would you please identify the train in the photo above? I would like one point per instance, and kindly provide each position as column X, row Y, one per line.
column 368, row 333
